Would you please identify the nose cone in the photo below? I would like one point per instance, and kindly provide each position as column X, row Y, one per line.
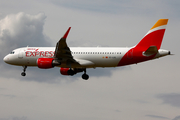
column 12, row 60
column 6, row 59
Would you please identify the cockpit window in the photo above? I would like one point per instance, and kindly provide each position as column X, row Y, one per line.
column 12, row 52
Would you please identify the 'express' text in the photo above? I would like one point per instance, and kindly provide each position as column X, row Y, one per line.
column 39, row 53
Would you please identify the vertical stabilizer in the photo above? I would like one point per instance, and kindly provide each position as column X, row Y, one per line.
column 154, row 36
column 148, row 47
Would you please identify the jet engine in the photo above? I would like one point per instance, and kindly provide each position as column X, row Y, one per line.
column 45, row 63
column 68, row 71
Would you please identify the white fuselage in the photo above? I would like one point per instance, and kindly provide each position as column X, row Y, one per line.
column 87, row 56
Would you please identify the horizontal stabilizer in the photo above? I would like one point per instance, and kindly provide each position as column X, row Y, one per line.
column 151, row 51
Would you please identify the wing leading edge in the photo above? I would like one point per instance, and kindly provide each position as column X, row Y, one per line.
column 63, row 52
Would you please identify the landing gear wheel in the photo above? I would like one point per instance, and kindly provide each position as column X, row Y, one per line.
column 23, row 74
column 85, row 76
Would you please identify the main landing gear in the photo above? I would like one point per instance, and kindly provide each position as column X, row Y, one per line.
column 85, row 76
column 76, row 70
column 24, row 71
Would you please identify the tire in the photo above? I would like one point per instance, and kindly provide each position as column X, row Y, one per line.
column 85, row 76
column 23, row 74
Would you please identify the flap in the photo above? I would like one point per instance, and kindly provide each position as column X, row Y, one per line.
column 84, row 62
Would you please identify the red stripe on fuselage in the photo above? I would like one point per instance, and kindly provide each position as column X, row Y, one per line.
column 135, row 55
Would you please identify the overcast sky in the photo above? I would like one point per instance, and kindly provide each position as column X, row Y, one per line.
column 146, row 91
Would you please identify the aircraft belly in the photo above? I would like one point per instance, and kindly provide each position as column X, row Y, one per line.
column 29, row 61
column 101, row 61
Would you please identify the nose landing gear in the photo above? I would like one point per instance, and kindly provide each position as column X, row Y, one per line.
column 24, row 71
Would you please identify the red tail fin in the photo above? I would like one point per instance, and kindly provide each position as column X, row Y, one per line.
column 154, row 36
column 147, row 48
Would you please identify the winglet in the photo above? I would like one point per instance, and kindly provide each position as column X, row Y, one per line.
column 66, row 34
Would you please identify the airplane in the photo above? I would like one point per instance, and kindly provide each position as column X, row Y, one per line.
column 73, row 60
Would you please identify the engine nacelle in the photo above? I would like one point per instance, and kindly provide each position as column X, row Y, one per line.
column 45, row 63
column 64, row 71
column 68, row 71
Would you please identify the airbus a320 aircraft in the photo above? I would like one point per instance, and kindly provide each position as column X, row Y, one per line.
column 72, row 60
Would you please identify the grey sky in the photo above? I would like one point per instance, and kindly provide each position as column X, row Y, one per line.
column 172, row 99
column 158, row 117
column 147, row 91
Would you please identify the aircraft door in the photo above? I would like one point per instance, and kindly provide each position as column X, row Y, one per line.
column 20, row 55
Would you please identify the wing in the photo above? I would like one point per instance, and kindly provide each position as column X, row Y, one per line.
column 62, row 51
